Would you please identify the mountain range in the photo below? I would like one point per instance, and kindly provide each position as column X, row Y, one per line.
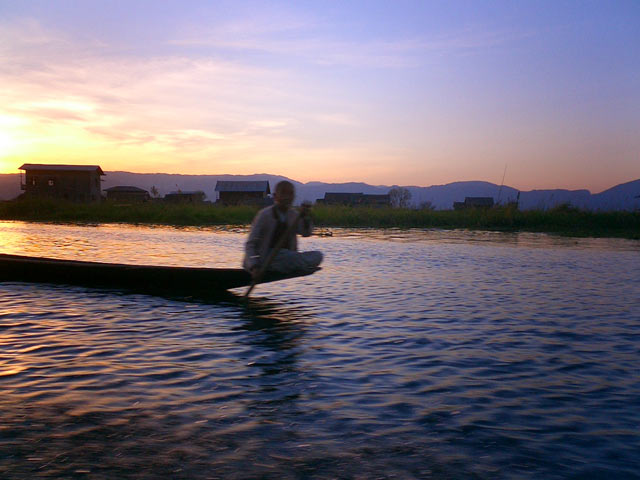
column 625, row 196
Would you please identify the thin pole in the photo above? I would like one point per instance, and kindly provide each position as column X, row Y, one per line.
column 272, row 255
column 502, row 183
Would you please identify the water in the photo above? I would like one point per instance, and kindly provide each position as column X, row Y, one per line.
column 412, row 354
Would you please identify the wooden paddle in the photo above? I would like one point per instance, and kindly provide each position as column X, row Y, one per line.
column 279, row 244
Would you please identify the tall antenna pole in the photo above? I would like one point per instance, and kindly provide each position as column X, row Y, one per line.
column 502, row 183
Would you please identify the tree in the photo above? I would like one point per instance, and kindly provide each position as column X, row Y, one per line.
column 154, row 191
column 400, row 197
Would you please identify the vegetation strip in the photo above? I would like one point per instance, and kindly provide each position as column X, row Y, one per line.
column 562, row 220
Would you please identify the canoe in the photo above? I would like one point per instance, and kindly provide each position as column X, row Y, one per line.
column 151, row 278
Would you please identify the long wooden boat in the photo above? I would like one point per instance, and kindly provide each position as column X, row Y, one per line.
column 152, row 278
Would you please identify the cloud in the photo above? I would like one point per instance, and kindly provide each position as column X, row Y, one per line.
column 315, row 42
column 118, row 136
column 269, row 124
column 175, row 101
column 26, row 33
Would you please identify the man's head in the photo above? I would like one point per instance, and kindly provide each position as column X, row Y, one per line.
column 284, row 194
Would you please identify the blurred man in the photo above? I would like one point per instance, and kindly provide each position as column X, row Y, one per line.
column 278, row 225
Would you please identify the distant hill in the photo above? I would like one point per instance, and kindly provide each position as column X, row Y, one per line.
column 625, row 196
column 620, row 197
column 9, row 186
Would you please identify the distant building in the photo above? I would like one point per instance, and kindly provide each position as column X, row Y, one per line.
column 355, row 199
column 77, row 183
column 474, row 202
column 127, row 194
column 371, row 200
column 197, row 196
column 242, row 193
column 340, row 198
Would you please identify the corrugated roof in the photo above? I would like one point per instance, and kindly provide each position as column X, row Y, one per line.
column 237, row 186
column 185, row 192
column 67, row 168
column 341, row 195
column 124, row 188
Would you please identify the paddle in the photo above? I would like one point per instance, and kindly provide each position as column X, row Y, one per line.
column 279, row 244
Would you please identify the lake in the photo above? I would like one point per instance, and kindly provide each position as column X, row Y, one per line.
column 411, row 354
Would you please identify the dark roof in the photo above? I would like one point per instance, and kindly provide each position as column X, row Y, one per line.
column 341, row 196
column 187, row 192
column 234, row 186
column 64, row 168
column 125, row 188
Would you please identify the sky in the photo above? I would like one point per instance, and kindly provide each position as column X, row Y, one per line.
column 543, row 93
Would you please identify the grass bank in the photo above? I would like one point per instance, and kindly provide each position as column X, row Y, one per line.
column 562, row 220
column 157, row 213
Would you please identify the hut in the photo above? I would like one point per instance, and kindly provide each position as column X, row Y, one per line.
column 355, row 199
column 242, row 193
column 341, row 198
column 474, row 202
column 371, row 200
column 77, row 183
column 197, row 196
column 125, row 193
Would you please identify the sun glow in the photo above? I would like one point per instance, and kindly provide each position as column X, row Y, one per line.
column 11, row 151
column 11, row 142
column 7, row 144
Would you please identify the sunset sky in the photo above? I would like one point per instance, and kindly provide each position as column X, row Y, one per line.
column 385, row 92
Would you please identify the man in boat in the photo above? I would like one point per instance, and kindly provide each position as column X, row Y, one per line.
column 278, row 226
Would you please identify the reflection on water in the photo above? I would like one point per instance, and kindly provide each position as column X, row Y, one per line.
column 187, row 246
column 410, row 355
column 221, row 246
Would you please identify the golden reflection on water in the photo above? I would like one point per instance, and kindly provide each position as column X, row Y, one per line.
column 11, row 239
column 222, row 246
column 153, row 245
column 21, row 238
column 7, row 372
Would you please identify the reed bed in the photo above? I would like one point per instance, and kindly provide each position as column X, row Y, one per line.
column 159, row 213
column 561, row 220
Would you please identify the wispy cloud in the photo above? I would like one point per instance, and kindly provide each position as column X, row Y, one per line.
column 192, row 102
column 273, row 123
column 313, row 42
column 189, row 103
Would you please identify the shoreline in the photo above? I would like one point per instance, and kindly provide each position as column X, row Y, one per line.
column 563, row 220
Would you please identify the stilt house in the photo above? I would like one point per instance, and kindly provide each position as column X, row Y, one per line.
column 474, row 202
column 77, row 183
column 197, row 196
column 127, row 193
column 242, row 193
column 355, row 199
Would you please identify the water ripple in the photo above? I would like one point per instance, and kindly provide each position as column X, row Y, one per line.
column 410, row 355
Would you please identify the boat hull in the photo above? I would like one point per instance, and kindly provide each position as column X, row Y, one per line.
column 18, row 268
